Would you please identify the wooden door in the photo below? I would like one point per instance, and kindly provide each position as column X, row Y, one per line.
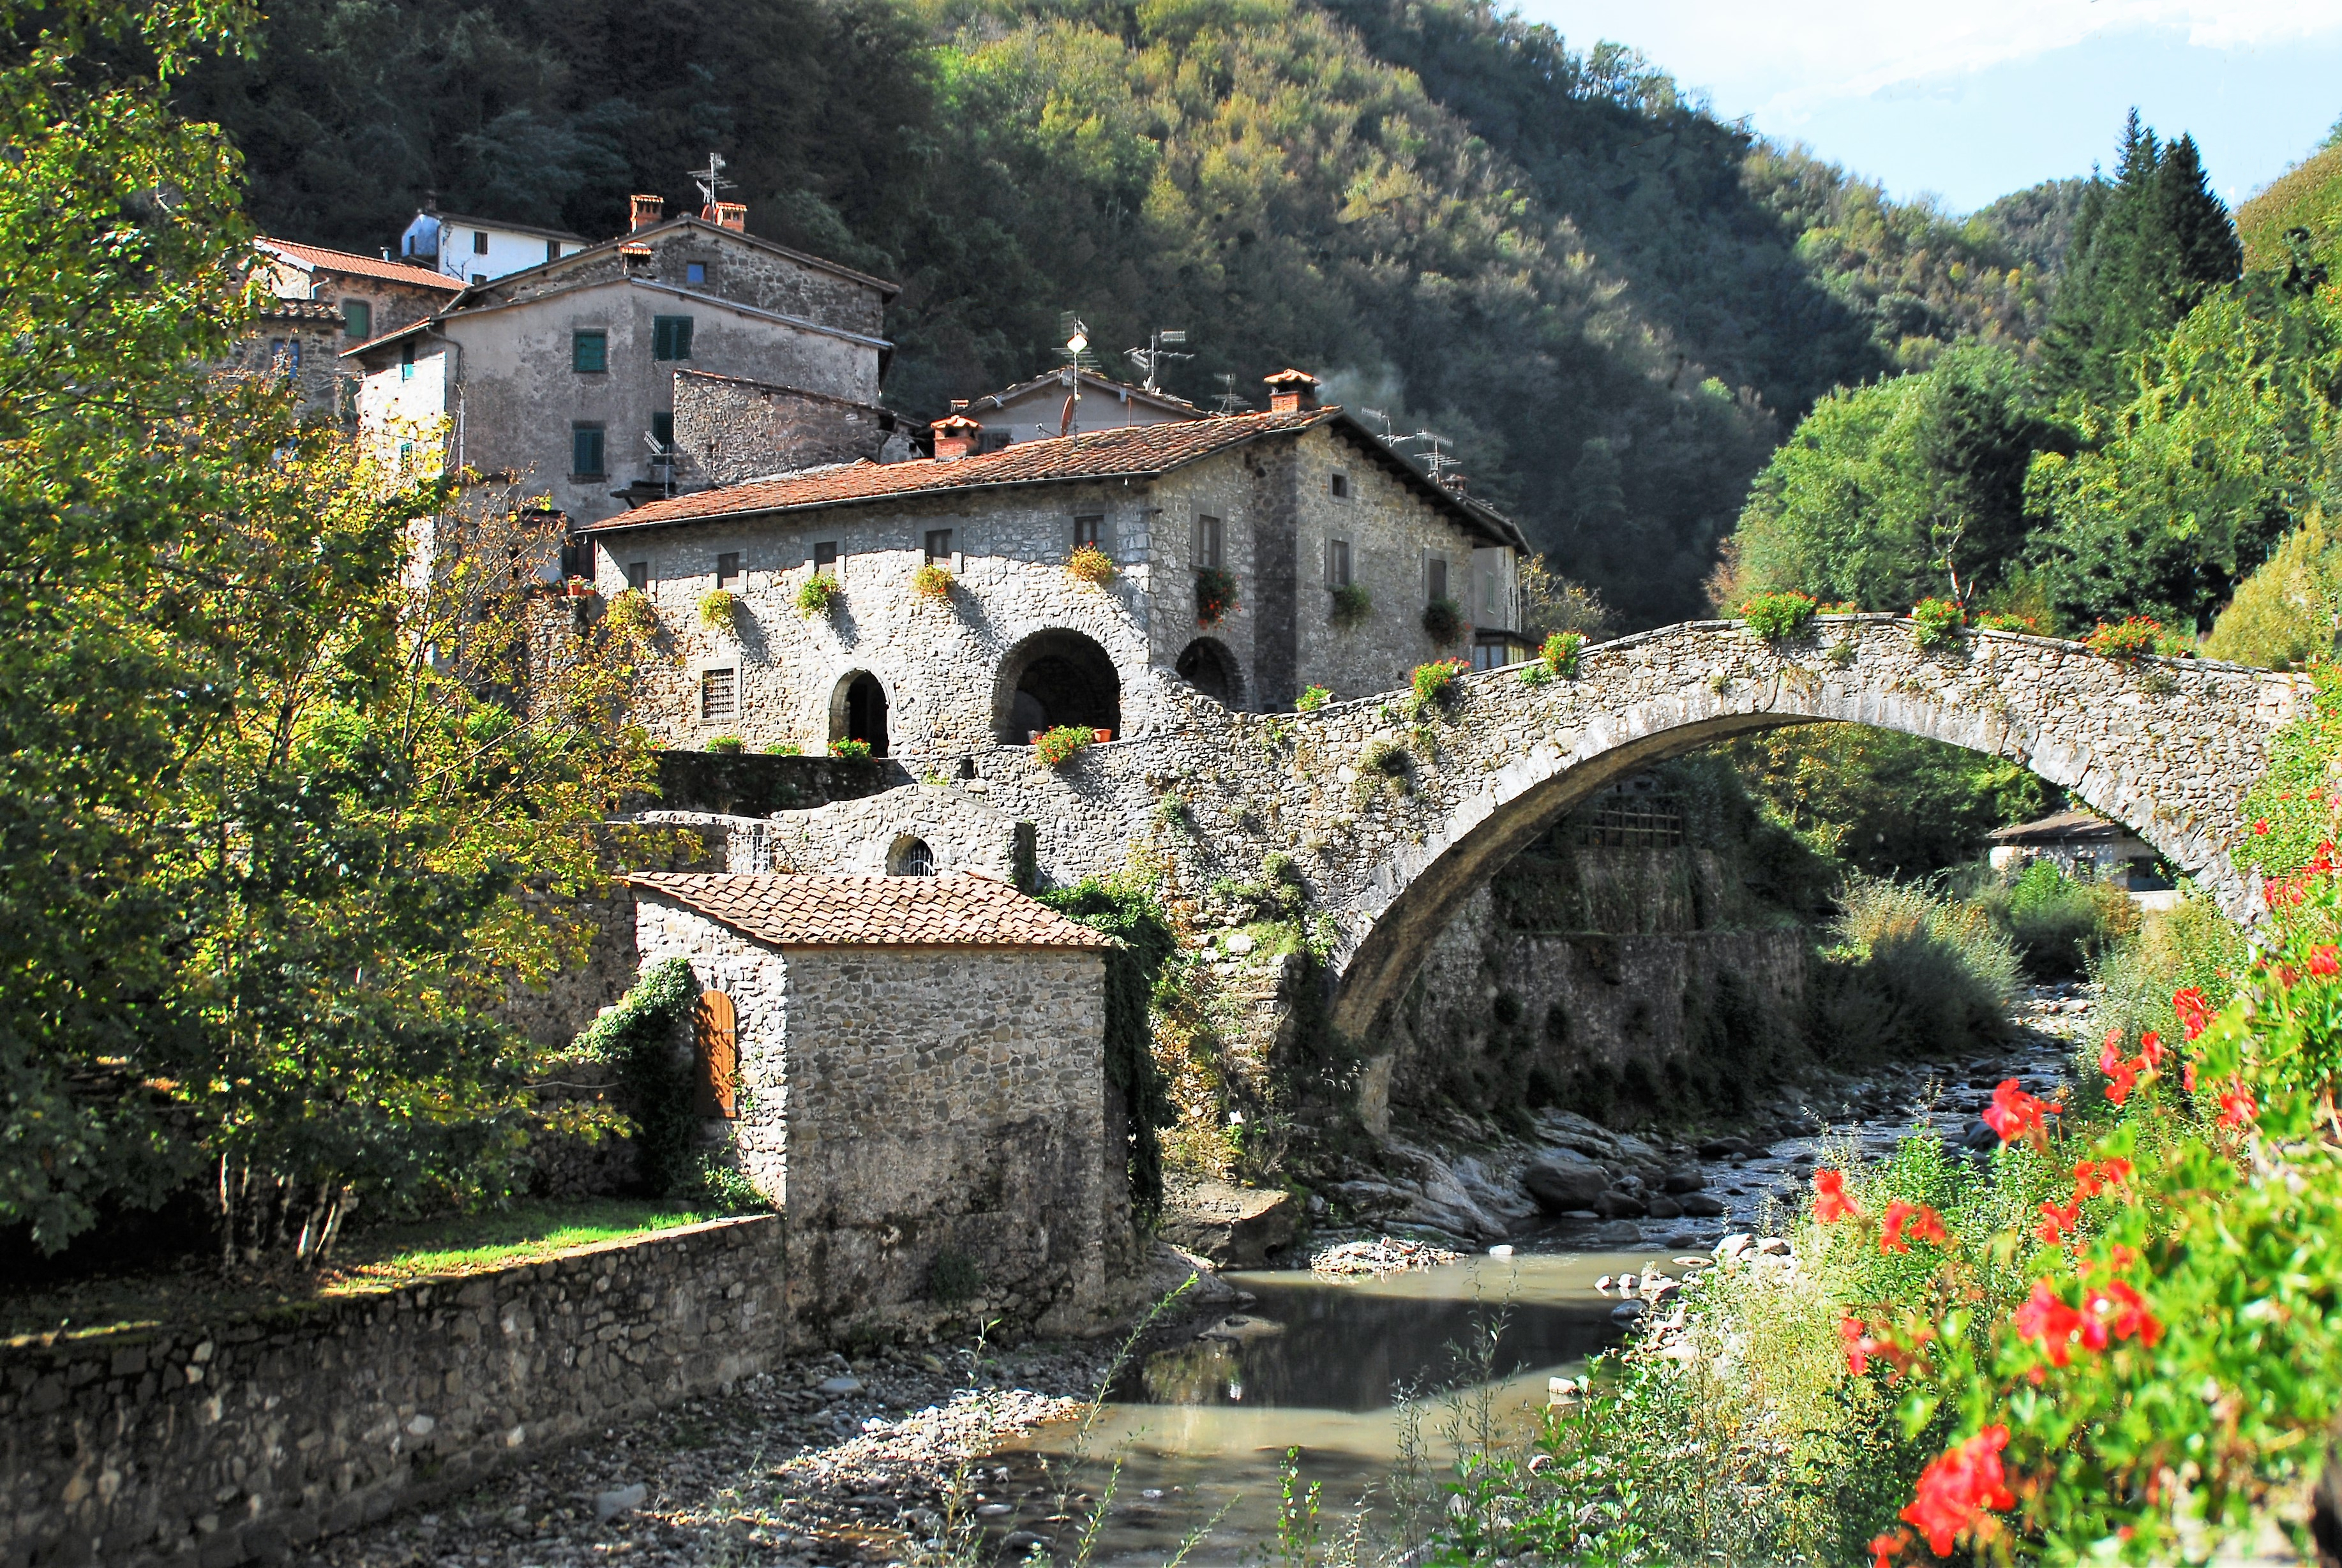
column 716, row 1030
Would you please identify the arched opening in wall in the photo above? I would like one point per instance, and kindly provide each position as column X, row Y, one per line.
column 1206, row 665
column 715, row 1039
column 858, row 711
column 910, row 857
column 1052, row 679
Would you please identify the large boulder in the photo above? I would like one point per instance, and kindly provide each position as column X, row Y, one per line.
column 1235, row 1227
column 1563, row 1179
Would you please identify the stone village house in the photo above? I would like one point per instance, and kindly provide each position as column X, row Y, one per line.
column 582, row 376
column 1290, row 504
column 324, row 301
column 914, row 1068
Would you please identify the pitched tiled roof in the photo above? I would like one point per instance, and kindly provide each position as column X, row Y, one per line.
column 363, row 266
column 2065, row 825
column 1138, row 451
column 960, row 910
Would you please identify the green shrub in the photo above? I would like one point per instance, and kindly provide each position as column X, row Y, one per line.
column 2059, row 924
column 2283, row 614
column 850, row 750
column 1776, row 617
column 1536, row 673
column 1561, row 651
column 1912, row 970
column 1216, row 595
column 1061, row 744
column 630, row 610
column 1381, row 764
column 1444, row 620
column 641, row 1037
column 1311, row 699
column 1134, row 982
column 818, row 592
column 719, row 610
column 1435, row 684
column 1352, row 604
column 728, row 745
column 785, row 749
column 1936, row 623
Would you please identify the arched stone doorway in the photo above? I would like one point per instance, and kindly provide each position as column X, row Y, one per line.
column 1054, row 678
column 1206, row 665
column 858, row 711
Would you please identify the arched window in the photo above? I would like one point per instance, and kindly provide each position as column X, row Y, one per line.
column 1206, row 665
column 1054, row 678
column 715, row 1034
column 911, row 857
column 858, row 711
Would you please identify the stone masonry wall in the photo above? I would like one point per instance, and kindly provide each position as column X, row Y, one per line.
column 248, row 1437
column 727, row 429
column 924, row 1114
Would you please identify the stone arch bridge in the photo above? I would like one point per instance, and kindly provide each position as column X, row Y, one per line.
column 1392, row 818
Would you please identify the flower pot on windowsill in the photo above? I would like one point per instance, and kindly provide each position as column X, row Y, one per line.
column 1032, row 738
column 578, row 588
column 1102, row 735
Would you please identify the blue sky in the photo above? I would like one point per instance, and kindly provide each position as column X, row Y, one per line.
column 2005, row 92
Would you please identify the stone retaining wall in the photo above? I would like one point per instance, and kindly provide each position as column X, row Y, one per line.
column 245, row 1437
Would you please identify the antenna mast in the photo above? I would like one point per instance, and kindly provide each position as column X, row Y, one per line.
column 711, row 182
column 1150, row 358
column 1227, row 401
column 1435, row 461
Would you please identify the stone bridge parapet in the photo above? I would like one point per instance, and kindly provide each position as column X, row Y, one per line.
column 1393, row 817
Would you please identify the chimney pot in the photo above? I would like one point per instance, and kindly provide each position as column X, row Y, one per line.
column 647, row 210
column 956, row 436
column 1291, row 391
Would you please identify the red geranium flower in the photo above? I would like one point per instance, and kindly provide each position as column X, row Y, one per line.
column 2121, row 1078
column 2188, row 1076
column 2056, row 1221
column 2046, row 1320
column 2150, row 1050
column 2238, row 1106
column 1921, row 1223
column 2195, row 1010
column 2260, row 827
column 2092, row 1177
column 1957, row 1489
column 1860, row 1345
column 2120, row 1311
column 2325, row 960
column 1830, row 1202
column 2014, row 1113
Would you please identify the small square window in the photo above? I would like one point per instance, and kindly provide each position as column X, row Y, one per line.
column 589, row 352
column 1207, row 544
column 1086, row 530
column 939, row 543
column 479, row 242
column 358, row 320
column 1337, row 563
column 586, row 451
column 720, row 693
column 825, row 556
column 480, row 277
column 639, row 576
column 695, row 272
column 671, row 337
column 1341, row 486
column 727, row 569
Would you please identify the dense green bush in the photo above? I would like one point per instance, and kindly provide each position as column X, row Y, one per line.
column 2059, row 924
column 1912, row 970
column 1127, row 910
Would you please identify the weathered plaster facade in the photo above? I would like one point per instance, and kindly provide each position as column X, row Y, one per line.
column 931, row 1118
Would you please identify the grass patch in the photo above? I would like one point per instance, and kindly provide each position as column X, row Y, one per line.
column 381, row 1259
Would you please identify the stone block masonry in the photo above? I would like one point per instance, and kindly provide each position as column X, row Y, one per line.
column 244, row 1438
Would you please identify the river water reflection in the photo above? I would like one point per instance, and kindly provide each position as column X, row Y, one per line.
column 1321, row 1363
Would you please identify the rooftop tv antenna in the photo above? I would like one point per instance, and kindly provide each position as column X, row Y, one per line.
column 1378, row 414
column 1435, row 461
column 1227, row 401
column 1150, row 358
column 711, row 181
column 1077, row 359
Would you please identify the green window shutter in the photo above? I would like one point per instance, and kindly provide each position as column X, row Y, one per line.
column 585, row 449
column 671, row 337
column 358, row 320
column 589, row 352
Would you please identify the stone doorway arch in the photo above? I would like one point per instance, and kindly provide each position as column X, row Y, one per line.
column 858, row 711
column 1206, row 665
column 1053, row 678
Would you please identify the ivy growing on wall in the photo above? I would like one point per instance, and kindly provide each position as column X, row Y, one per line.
column 1132, row 971
column 638, row 1038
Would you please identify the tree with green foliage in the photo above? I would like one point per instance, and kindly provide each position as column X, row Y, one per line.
column 1889, row 493
column 2148, row 246
column 1882, row 802
column 273, row 808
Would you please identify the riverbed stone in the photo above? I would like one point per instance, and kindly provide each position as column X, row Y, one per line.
column 1561, row 1179
column 1233, row 1226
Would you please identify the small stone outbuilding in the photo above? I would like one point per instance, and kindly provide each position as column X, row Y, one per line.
column 2082, row 844
column 913, row 1067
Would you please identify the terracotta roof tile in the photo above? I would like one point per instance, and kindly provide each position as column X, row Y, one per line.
column 363, row 266
column 1137, row 450
column 960, row 910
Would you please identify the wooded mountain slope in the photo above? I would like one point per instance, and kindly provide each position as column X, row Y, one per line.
column 1610, row 302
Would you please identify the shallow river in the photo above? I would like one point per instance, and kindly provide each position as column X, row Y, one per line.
column 1200, row 1428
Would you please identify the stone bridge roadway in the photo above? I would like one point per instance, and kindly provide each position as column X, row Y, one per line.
column 2166, row 747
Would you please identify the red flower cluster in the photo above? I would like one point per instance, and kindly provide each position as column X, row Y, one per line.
column 1922, row 1222
column 2195, row 1010
column 1955, row 1491
column 2014, row 1114
column 1830, row 1203
column 2056, row 1222
column 2238, row 1105
column 2092, row 1177
column 2123, row 1076
column 2112, row 1311
column 1859, row 1345
column 2326, row 961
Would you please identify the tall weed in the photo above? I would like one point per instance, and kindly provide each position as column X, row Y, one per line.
column 2058, row 923
column 1912, row 970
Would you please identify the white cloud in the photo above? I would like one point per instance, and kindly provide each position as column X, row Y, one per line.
column 1779, row 61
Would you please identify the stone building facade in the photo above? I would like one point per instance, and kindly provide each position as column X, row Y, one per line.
column 562, row 374
column 324, row 299
column 915, row 1071
column 1019, row 643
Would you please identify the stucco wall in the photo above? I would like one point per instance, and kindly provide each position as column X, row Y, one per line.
column 213, row 1442
column 913, row 1107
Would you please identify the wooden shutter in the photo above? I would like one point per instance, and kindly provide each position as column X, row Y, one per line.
column 716, row 1031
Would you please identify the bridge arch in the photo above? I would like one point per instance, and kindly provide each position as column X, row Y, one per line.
column 2167, row 747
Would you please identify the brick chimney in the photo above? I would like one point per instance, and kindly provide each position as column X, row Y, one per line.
column 729, row 216
column 956, row 437
column 1291, row 391
column 648, row 210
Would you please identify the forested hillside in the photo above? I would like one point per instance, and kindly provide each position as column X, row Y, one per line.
column 1613, row 304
